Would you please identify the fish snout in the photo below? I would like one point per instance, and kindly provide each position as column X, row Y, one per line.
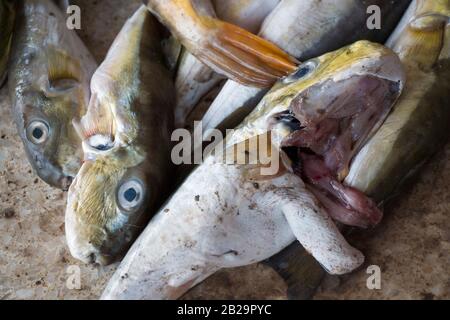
column 49, row 172
column 84, row 251
column 54, row 177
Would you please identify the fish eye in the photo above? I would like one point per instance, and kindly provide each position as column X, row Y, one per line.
column 131, row 195
column 37, row 132
column 101, row 142
column 303, row 70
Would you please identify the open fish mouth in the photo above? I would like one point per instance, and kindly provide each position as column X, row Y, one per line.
column 328, row 129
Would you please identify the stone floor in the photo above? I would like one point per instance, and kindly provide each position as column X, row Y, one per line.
column 411, row 246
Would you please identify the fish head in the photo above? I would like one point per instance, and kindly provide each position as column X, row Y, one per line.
column 48, row 93
column 109, row 199
column 107, row 206
column 331, row 104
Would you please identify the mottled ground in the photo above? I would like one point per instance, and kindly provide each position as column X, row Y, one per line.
column 412, row 246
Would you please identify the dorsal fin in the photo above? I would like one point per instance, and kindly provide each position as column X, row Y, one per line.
column 62, row 65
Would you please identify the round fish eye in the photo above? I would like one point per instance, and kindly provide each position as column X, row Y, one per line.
column 37, row 132
column 303, row 70
column 131, row 195
column 100, row 142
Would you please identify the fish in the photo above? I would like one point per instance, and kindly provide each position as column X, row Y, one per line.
column 418, row 125
column 228, row 214
column 126, row 142
column 194, row 79
column 7, row 15
column 414, row 131
column 49, row 74
column 224, row 47
column 247, row 14
column 304, row 29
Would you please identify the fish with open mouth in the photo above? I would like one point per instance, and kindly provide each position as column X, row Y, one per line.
column 7, row 14
column 414, row 131
column 194, row 79
column 228, row 214
column 227, row 49
column 305, row 29
column 126, row 141
column 49, row 74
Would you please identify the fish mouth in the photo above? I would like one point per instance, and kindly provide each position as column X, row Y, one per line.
column 330, row 122
column 97, row 230
column 80, row 240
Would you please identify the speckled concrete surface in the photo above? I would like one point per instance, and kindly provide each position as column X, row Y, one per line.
column 412, row 246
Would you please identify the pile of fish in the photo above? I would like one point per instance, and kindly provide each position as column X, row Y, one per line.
column 348, row 113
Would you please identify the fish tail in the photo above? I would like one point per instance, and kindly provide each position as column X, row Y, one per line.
column 243, row 56
column 227, row 49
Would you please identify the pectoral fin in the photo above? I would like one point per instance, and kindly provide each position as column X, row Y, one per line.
column 318, row 234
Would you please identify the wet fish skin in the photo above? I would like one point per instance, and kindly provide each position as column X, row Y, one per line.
column 327, row 25
column 49, row 76
column 126, row 141
column 225, row 216
column 7, row 15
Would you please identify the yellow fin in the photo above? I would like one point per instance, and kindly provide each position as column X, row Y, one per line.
column 62, row 66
